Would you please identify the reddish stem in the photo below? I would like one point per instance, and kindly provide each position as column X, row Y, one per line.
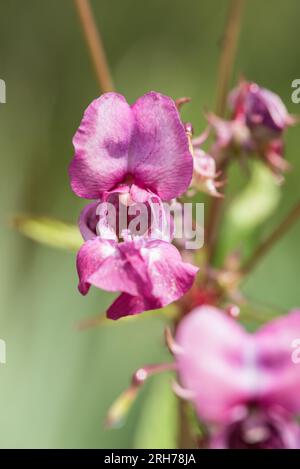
column 94, row 44
column 269, row 242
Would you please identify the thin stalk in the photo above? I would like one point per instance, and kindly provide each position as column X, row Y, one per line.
column 228, row 53
column 226, row 63
column 186, row 438
column 269, row 242
column 95, row 45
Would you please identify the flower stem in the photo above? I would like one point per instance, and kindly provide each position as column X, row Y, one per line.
column 228, row 53
column 269, row 242
column 94, row 44
column 186, row 439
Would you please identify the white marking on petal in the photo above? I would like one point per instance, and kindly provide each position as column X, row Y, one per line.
column 108, row 250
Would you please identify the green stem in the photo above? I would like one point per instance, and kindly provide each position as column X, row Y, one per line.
column 269, row 242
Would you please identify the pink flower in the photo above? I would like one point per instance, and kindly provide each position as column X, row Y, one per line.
column 125, row 157
column 245, row 384
column 149, row 273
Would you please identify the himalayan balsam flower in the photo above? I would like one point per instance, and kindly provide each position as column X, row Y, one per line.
column 130, row 155
column 258, row 121
column 246, row 386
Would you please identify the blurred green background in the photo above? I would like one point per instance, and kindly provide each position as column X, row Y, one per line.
column 58, row 383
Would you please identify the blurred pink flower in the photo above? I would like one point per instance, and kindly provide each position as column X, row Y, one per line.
column 262, row 110
column 246, row 385
column 257, row 123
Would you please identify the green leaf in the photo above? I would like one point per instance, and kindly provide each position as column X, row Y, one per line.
column 158, row 425
column 49, row 231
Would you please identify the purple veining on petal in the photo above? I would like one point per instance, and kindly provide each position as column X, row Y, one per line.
column 160, row 158
column 150, row 271
column 146, row 142
column 101, row 146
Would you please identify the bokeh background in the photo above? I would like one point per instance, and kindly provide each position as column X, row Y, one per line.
column 58, row 383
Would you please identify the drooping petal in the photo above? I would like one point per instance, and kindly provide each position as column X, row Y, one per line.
column 101, row 146
column 278, row 346
column 128, row 305
column 160, row 159
column 216, row 363
column 150, row 273
column 163, row 277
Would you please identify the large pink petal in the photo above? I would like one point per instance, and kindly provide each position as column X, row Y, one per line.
column 215, row 362
column 160, row 275
column 276, row 345
column 159, row 155
column 101, row 146
column 146, row 142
